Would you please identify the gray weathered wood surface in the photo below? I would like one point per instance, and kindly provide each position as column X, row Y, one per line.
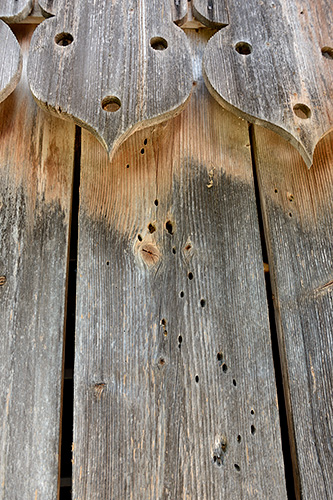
column 10, row 61
column 179, row 9
column 36, row 160
column 175, row 394
column 298, row 216
column 212, row 13
column 273, row 66
column 141, row 58
column 49, row 7
column 13, row 11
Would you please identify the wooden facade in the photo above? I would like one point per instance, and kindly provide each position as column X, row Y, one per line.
column 201, row 246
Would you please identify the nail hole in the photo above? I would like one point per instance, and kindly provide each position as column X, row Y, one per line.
column 224, row 368
column 151, row 228
column 197, row 379
column 139, row 237
column 174, row 251
column 234, row 382
column 237, row 467
column 169, row 227
column 158, row 43
column 111, row 103
column 219, row 356
column 327, row 52
column 3, row 280
column 156, row 203
column 181, row 294
column 190, row 276
column 302, row 111
column 239, row 438
column 243, row 48
column 202, row 302
column 63, row 39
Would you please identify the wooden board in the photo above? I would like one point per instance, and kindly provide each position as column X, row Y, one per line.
column 10, row 61
column 298, row 215
column 212, row 13
column 13, row 11
column 135, row 73
column 36, row 163
column 273, row 66
column 179, row 10
column 49, row 7
column 175, row 395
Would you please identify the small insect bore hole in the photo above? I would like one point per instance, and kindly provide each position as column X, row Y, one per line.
column 63, row 39
column 151, row 228
column 158, row 43
column 239, row 438
column 190, row 276
column 202, row 302
column 169, row 226
column 253, row 430
column 139, row 237
column 224, row 368
column 181, row 294
column 234, row 382
column 219, row 356
column 156, row 203
column 237, row 467
column 197, row 379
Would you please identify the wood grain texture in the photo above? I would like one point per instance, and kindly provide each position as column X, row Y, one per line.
column 36, row 160
column 49, row 7
column 10, row 61
column 13, row 11
column 211, row 13
column 117, row 76
column 174, row 386
column 298, row 215
column 267, row 66
column 179, row 9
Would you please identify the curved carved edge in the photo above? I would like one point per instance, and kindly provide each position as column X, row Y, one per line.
column 179, row 9
column 149, row 85
column 48, row 7
column 13, row 11
column 211, row 13
column 275, row 74
column 10, row 61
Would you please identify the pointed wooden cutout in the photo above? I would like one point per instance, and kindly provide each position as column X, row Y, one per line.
column 13, row 11
column 112, row 67
column 211, row 13
column 273, row 66
column 10, row 61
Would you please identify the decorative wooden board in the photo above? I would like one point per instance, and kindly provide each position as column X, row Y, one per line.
column 115, row 77
column 13, row 11
column 212, row 13
column 179, row 9
column 298, row 216
column 175, row 394
column 273, row 66
column 10, row 61
column 49, row 7
column 36, row 163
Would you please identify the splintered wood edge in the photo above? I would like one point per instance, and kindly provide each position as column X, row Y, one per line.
column 307, row 157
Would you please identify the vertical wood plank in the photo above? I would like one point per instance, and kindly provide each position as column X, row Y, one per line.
column 36, row 169
column 212, row 13
column 174, row 386
column 10, row 61
column 298, row 215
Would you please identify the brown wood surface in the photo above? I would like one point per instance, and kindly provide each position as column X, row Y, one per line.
column 13, row 11
column 175, row 393
column 10, row 61
column 115, row 76
column 286, row 82
column 212, row 13
column 298, row 216
column 36, row 163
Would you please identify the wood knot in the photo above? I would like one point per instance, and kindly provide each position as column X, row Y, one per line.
column 3, row 280
column 150, row 254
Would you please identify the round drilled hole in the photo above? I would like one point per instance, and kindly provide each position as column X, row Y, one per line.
column 243, row 48
column 158, row 43
column 327, row 52
column 63, row 39
column 111, row 103
column 302, row 111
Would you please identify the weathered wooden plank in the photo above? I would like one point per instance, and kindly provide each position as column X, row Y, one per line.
column 135, row 73
column 13, row 11
column 298, row 216
column 273, row 66
column 48, row 7
column 10, row 61
column 174, row 386
column 36, row 160
column 212, row 13
column 179, row 9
